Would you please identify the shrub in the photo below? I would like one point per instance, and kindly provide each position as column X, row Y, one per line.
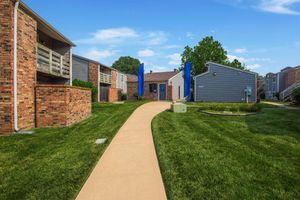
column 136, row 95
column 296, row 96
column 233, row 107
column 124, row 96
column 89, row 85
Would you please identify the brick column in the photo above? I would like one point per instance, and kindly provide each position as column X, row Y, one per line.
column 6, row 66
column 27, row 42
column 94, row 76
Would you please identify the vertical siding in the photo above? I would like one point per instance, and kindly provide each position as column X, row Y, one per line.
column 177, row 83
column 271, row 81
column 80, row 69
column 122, row 82
column 222, row 84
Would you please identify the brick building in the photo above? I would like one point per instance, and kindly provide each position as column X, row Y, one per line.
column 293, row 76
column 32, row 52
column 158, row 86
column 282, row 83
column 109, row 81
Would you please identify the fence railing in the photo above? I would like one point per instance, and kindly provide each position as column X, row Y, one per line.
column 286, row 94
column 51, row 62
column 105, row 78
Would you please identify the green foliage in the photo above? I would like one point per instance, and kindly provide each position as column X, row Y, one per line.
column 236, row 64
column 127, row 64
column 136, row 95
column 124, row 96
column 207, row 50
column 233, row 107
column 296, row 96
column 80, row 83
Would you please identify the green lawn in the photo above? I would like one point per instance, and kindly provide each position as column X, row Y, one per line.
column 221, row 157
column 54, row 163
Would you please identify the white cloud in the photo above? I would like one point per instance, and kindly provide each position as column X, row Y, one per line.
column 172, row 46
column 241, row 50
column 95, row 54
column 279, row 6
column 145, row 53
column 189, row 35
column 158, row 68
column 232, row 57
column 124, row 35
column 253, row 66
column 175, row 59
column 111, row 35
column 154, row 38
column 244, row 60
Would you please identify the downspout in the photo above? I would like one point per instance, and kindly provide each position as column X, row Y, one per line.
column 15, row 84
column 71, row 66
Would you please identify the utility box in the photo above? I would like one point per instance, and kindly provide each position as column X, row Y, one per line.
column 178, row 108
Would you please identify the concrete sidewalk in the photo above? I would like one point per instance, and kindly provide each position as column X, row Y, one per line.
column 129, row 168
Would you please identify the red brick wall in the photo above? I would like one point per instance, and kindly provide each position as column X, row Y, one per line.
column 132, row 87
column 27, row 37
column 60, row 105
column 114, row 94
column 293, row 76
column 169, row 92
column 94, row 76
column 113, row 79
column 6, row 66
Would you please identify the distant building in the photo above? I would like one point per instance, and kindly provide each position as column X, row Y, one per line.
column 271, row 86
column 109, row 81
column 158, row 86
column 275, row 84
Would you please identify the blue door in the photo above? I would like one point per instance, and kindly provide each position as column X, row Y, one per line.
column 162, row 92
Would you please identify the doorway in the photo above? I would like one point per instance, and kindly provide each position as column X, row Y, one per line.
column 162, row 92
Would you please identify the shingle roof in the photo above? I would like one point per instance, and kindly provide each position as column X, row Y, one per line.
column 153, row 77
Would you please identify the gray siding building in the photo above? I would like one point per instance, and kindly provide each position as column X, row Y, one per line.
column 80, row 68
column 272, row 86
column 225, row 84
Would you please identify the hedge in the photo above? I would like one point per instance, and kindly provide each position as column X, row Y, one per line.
column 233, row 107
column 90, row 85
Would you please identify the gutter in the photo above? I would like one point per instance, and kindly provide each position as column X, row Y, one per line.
column 15, row 67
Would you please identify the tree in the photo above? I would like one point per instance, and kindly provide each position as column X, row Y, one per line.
column 127, row 64
column 207, row 50
column 236, row 64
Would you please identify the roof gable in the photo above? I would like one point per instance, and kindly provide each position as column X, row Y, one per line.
column 154, row 76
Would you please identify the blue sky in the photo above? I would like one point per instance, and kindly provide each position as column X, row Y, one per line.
column 263, row 34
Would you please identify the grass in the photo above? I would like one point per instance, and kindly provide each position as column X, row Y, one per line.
column 54, row 163
column 220, row 157
column 233, row 107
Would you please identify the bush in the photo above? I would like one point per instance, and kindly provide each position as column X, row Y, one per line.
column 233, row 107
column 296, row 96
column 84, row 84
column 262, row 96
column 136, row 95
column 124, row 96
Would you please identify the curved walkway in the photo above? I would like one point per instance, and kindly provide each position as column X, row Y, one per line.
column 129, row 168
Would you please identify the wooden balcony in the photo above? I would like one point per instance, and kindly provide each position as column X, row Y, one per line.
column 51, row 62
column 105, row 78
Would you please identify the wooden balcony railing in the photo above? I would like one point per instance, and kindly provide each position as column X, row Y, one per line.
column 51, row 62
column 105, row 78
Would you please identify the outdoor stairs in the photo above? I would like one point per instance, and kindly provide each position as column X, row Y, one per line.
column 286, row 94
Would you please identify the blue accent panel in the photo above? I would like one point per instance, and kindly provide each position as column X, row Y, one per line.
column 162, row 92
column 141, row 80
column 187, row 81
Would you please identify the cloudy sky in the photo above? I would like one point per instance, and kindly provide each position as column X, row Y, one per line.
column 263, row 34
